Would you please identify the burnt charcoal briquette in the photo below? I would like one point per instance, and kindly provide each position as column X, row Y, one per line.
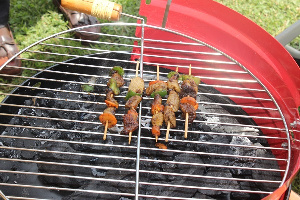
column 217, row 184
column 98, row 187
column 58, row 169
column 266, row 175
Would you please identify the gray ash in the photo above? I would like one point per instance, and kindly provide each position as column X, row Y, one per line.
column 83, row 160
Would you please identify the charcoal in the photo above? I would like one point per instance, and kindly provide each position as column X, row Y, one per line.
column 244, row 185
column 86, row 185
column 266, row 175
column 218, row 184
column 198, row 195
column 58, row 169
column 94, row 186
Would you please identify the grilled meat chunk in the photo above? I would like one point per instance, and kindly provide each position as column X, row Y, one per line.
column 119, row 79
column 173, row 100
column 157, row 119
column 189, row 88
column 156, row 87
column 157, row 105
column 110, row 101
column 130, row 121
column 133, row 102
column 136, row 85
column 169, row 116
column 173, row 83
column 190, row 109
column 110, row 110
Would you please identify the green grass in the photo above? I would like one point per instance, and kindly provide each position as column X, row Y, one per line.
column 32, row 20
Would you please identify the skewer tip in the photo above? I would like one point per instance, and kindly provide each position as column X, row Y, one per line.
column 156, row 138
column 105, row 130
column 168, row 131
column 186, row 125
column 129, row 139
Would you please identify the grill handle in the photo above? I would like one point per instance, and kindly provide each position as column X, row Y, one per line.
column 102, row 9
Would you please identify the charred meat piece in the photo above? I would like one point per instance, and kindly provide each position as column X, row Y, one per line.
column 157, row 105
column 158, row 117
column 190, row 109
column 110, row 110
column 189, row 88
column 136, row 85
column 173, row 100
column 169, row 116
column 130, row 121
column 173, row 83
column 157, row 121
column 119, row 79
column 156, row 86
column 133, row 102
column 110, row 101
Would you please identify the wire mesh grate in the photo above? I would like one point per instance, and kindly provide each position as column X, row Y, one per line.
column 51, row 141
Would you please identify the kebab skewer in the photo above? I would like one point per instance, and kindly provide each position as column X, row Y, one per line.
column 157, row 89
column 172, row 104
column 188, row 94
column 133, row 98
column 115, row 82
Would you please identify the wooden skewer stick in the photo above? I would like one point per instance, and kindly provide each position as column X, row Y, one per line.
column 186, row 125
column 105, row 130
column 169, row 124
column 106, row 126
column 129, row 140
column 187, row 114
column 168, row 130
column 136, row 75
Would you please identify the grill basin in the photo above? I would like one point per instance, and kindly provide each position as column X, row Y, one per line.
column 51, row 135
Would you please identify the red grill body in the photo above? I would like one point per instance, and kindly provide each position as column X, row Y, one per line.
column 243, row 41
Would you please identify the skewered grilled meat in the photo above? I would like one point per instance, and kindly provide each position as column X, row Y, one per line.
column 169, row 116
column 130, row 121
column 110, row 110
column 133, row 102
column 189, row 88
column 157, row 122
column 119, row 79
column 156, row 87
column 190, row 109
column 158, row 117
column 136, row 85
column 173, row 83
column 110, row 101
column 133, row 97
column 156, row 105
column 173, row 100
column 108, row 117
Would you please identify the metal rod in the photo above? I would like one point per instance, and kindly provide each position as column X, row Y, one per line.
column 137, row 175
column 210, row 165
column 65, row 189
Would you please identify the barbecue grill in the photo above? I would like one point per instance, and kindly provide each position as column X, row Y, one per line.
column 243, row 144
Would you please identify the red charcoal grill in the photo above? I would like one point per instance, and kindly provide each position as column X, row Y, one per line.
column 244, row 143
